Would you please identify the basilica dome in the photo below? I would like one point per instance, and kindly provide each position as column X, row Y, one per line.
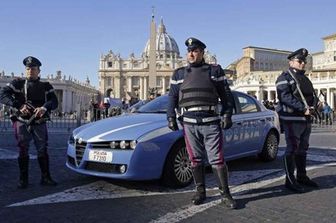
column 166, row 46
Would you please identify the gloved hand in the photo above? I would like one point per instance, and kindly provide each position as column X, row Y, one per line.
column 172, row 124
column 226, row 122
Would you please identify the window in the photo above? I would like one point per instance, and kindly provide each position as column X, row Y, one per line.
column 109, row 64
column 136, row 81
column 158, row 82
column 109, row 81
column 247, row 104
column 334, row 58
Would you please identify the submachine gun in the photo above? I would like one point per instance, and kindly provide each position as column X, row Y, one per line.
column 313, row 111
column 30, row 119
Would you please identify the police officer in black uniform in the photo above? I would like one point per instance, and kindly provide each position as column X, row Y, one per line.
column 31, row 101
column 194, row 93
column 295, row 111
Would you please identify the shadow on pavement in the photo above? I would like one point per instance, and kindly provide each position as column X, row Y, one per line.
column 325, row 182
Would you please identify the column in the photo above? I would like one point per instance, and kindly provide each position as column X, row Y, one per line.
column 116, row 87
column 141, row 94
column 328, row 96
column 64, row 101
column 164, row 85
column 145, row 88
column 269, row 95
column 332, row 99
column 129, row 84
column 259, row 98
column 102, row 83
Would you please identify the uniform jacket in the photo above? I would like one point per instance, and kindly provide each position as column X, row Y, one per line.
column 291, row 106
column 219, row 83
column 38, row 93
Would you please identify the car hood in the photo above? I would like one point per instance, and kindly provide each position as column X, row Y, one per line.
column 124, row 127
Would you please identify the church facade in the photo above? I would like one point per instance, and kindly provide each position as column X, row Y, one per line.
column 151, row 72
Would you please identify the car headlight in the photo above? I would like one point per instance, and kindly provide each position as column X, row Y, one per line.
column 71, row 140
column 133, row 144
column 114, row 144
column 124, row 144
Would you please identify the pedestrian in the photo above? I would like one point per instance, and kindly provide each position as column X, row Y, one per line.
column 194, row 91
column 327, row 111
column 297, row 99
column 31, row 100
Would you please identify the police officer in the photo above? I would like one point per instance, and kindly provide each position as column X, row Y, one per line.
column 31, row 100
column 194, row 92
column 295, row 111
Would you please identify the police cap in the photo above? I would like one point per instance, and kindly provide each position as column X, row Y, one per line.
column 31, row 62
column 193, row 43
column 300, row 54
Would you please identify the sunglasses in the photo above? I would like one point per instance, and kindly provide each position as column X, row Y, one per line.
column 301, row 61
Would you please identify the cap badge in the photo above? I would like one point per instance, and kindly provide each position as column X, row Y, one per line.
column 29, row 59
column 190, row 41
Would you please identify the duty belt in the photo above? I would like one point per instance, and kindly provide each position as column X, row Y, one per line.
column 201, row 120
column 201, row 108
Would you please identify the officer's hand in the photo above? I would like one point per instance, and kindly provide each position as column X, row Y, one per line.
column 25, row 110
column 306, row 111
column 172, row 124
column 226, row 122
column 40, row 111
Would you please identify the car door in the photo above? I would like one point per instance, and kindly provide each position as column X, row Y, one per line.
column 245, row 133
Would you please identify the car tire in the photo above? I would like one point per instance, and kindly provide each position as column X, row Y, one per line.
column 270, row 148
column 177, row 170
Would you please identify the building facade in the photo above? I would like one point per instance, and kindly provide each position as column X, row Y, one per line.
column 151, row 71
column 327, row 58
column 259, row 79
column 72, row 94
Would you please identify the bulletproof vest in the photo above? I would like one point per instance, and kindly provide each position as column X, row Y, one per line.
column 197, row 88
column 35, row 92
column 306, row 88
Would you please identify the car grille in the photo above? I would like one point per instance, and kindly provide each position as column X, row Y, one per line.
column 101, row 145
column 80, row 148
column 103, row 167
column 71, row 161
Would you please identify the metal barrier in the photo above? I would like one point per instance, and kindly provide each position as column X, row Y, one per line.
column 57, row 124
column 64, row 123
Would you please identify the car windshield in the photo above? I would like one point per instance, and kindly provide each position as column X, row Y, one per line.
column 136, row 106
column 158, row 105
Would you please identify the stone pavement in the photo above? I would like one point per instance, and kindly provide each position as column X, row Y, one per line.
column 261, row 200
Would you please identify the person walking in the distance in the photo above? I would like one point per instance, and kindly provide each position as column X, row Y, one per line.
column 194, row 90
column 31, row 100
column 297, row 99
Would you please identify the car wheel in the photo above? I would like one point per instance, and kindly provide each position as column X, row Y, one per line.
column 270, row 149
column 177, row 170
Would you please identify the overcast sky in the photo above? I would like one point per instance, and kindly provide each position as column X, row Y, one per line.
column 71, row 35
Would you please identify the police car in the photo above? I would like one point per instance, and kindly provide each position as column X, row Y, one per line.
column 140, row 146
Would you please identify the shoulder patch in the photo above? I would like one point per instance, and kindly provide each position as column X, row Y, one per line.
column 18, row 79
column 180, row 68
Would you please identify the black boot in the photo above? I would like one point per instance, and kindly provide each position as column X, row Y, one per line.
column 23, row 166
column 200, row 195
column 221, row 174
column 301, row 173
column 45, row 174
column 291, row 182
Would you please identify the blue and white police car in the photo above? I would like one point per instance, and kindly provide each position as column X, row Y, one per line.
column 140, row 146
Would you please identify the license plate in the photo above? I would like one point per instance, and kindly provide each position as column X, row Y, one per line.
column 100, row 156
